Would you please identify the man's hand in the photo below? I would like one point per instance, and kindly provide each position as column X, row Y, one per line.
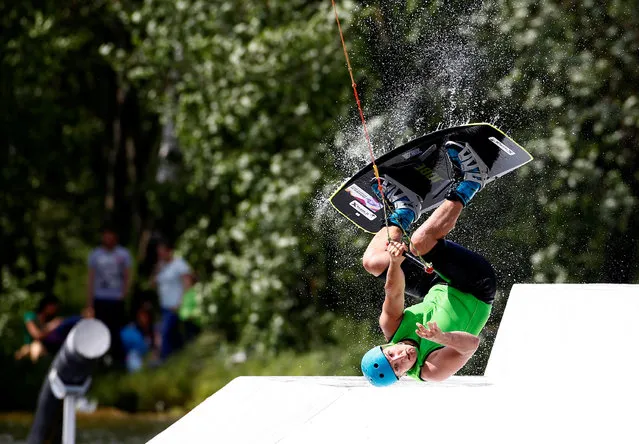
column 461, row 341
column 396, row 251
column 88, row 312
column 432, row 333
column 53, row 324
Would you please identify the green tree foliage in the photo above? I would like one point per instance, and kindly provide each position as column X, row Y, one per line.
column 575, row 73
column 560, row 78
column 69, row 136
column 44, row 127
column 252, row 89
column 257, row 98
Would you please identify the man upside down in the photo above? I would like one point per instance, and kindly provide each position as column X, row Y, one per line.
column 432, row 340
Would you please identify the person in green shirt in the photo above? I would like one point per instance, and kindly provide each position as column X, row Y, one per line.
column 189, row 311
column 432, row 340
column 38, row 324
column 44, row 331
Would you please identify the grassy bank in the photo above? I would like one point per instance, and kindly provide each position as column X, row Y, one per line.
column 208, row 364
column 102, row 426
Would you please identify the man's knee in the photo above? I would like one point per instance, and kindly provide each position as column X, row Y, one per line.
column 373, row 264
column 488, row 285
column 422, row 241
column 418, row 242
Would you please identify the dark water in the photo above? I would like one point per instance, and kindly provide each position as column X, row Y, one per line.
column 100, row 428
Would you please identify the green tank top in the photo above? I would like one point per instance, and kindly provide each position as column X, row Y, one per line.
column 452, row 309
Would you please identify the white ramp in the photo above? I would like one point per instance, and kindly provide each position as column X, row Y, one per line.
column 567, row 331
column 558, row 373
column 309, row 410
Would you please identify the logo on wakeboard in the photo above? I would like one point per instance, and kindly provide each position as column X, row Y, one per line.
column 429, row 173
column 361, row 209
column 364, row 198
column 412, row 153
column 501, row 145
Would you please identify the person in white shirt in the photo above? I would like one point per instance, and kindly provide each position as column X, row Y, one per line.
column 172, row 280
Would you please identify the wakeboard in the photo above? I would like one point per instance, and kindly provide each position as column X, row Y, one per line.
column 422, row 166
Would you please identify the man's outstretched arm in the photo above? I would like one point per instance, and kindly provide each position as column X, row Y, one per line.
column 393, row 308
column 459, row 347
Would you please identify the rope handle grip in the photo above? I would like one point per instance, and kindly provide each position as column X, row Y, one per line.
column 428, row 267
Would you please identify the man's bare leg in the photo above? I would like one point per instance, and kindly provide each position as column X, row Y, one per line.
column 376, row 258
column 436, row 227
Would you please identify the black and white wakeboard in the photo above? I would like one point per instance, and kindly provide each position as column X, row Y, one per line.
column 423, row 167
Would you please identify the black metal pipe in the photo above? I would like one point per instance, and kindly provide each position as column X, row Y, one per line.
column 70, row 371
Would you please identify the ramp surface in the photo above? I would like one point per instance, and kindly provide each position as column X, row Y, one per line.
column 560, row 371
column 567, row 331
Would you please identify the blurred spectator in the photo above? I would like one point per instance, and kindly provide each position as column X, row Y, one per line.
column 109, row 283
column 44, row 331
column 138, row 337
column 189, row 310
column 172, row 280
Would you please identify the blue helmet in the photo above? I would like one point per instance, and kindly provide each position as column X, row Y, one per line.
column 377, row 369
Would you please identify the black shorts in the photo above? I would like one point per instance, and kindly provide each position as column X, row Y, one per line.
column 461, row 268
